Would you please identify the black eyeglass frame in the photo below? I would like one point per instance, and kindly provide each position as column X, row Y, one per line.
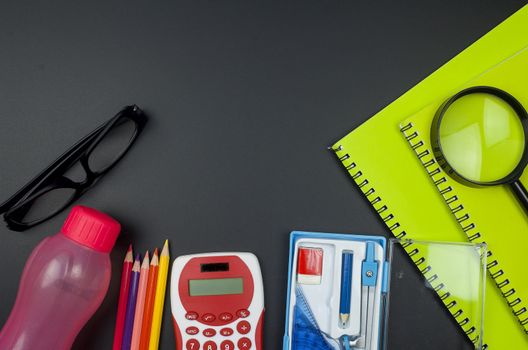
column 52, row 178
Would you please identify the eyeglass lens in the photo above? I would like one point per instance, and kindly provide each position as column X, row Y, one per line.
column 46, row 204
column 112, row 145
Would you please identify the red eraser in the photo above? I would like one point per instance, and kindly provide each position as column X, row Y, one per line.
column 309, row 265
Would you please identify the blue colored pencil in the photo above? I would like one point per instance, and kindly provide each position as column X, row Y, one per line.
column 131, row 304
column 346, row 287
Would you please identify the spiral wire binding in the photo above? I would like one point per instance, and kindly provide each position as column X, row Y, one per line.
column 433, row 168
column 412, row 250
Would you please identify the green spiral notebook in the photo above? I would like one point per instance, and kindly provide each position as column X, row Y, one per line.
column 490, row 214
column 377, row 157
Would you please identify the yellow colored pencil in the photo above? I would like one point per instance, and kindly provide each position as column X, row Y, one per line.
column 160, row 297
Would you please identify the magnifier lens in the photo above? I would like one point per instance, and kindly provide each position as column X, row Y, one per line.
column 481, row 137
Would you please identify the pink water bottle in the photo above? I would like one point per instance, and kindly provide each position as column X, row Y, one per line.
column 64, row 282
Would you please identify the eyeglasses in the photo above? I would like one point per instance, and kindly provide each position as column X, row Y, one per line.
column 59, row 185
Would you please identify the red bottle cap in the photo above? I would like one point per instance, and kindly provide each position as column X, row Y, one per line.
column 91, row 228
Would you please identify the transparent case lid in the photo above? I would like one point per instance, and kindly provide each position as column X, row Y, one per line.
column 437, row 302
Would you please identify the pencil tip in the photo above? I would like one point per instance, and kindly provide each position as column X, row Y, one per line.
column 154, row 261
column 165, row 250
column 129, row 256
column 146, row 261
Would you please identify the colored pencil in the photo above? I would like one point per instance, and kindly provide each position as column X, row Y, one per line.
column 131, row 304
column 140, row 303
column 161, row 285
column 123, row 297
column 346, row 287
column 149, row 301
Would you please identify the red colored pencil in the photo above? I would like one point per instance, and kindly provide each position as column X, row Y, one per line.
column 123, row 298
column 149, row 302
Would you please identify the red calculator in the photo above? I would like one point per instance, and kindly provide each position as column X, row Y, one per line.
column 217, row 302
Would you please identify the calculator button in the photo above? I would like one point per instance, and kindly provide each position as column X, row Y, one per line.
column 192, row 344
column 227, row 345
column 225, row 317
column 242, row 313
column 244, row 344
column 192, row 330
column 226, row 332
column 209, row 332
column 191, row 316
column 243, row 327
column 208, row 318
column 209, row 345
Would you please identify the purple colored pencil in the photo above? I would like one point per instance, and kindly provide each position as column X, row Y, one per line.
column 131, row 304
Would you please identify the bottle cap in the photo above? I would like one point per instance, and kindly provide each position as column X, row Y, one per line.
column 91, row 228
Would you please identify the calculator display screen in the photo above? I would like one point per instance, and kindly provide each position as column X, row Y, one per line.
column 216, row 286
column 214, row 267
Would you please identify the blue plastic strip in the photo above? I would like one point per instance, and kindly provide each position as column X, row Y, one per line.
column 385, row 277
column 346, row 342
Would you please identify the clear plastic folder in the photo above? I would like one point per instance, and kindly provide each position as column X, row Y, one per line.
column 440, row 294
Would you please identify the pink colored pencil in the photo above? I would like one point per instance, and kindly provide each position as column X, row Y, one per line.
column 140, row 303
column 123, row 298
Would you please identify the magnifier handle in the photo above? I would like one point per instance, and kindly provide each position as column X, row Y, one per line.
column 521, row 193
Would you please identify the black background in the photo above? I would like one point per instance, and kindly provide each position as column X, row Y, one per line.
column 243, row 98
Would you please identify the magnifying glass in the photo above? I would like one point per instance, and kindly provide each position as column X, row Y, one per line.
column 479, row 137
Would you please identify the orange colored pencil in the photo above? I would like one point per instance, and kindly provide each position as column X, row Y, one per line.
column 123, row 297
column 140, row 303
column 149, row 301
